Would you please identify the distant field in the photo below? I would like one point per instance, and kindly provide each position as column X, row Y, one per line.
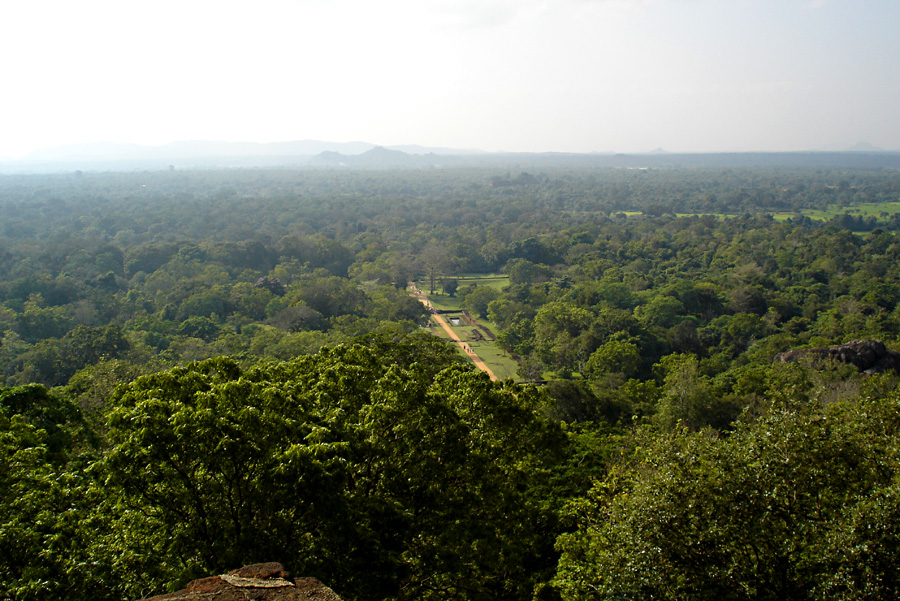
column 493, row 280
column 443, row 302
column 880, row 211
column 500, row 363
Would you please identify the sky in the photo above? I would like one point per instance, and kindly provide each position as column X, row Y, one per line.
column 496, row 75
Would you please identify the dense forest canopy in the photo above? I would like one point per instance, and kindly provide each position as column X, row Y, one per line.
column 202, row 369
column 164, row 267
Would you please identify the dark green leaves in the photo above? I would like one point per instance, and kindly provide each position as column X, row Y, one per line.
column 384, row 480
column 796, row 504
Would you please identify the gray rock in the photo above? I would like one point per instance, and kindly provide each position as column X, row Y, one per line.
column 869, row 356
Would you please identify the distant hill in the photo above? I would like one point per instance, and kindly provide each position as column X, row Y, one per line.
column 193, row 149
column 865, row 147
column 383, row 158
column 205, row 154
column 861, row 146
column 320, row 154
column 417, row 149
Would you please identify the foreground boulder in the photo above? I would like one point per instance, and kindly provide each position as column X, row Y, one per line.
column 869, row 356
column 259, row 582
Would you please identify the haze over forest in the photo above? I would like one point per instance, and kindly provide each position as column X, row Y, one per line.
column 572, row 76
column 315, row 154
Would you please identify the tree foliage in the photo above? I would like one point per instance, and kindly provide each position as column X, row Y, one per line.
column 756, row 515
column 292, row 408
column 376, row 478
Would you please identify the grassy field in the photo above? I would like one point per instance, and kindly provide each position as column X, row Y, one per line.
column 500, row 363
column 444, row 302
column 493, row 280
column 880, row 211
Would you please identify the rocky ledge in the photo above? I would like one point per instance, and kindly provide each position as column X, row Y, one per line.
column 259, row 582
column 869, row 356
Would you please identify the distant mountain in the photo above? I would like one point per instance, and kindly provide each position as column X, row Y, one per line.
column 384, row 156
column 417, row 149
column 330, row 157
column 207, row 154
column 193, row 149
column 865, row 147
column 862, row 146
column 388, row 158
column 200, row 154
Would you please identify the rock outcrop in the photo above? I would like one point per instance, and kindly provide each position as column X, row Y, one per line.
column 869, row 356
column 259, row 582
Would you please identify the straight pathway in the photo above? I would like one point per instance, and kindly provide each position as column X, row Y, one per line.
column 479, row 363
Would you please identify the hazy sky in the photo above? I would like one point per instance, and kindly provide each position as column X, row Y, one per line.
column 516, row 75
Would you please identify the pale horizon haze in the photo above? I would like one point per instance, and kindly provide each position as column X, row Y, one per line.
column 496, row 75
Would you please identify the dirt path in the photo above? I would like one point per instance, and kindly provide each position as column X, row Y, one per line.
column 479, row 363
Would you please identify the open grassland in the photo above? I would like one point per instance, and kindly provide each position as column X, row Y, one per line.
column 493, row 280
column 881, row 211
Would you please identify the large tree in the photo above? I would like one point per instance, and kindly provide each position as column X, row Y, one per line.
column 435, row 261
column 796, row 505
column 385, row 479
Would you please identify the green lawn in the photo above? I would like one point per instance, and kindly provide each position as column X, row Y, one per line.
column 444, row 302
column 500, row 363
column 496, row 359
column 493, row 280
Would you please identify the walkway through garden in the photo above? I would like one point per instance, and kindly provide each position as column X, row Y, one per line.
column 423, row 298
